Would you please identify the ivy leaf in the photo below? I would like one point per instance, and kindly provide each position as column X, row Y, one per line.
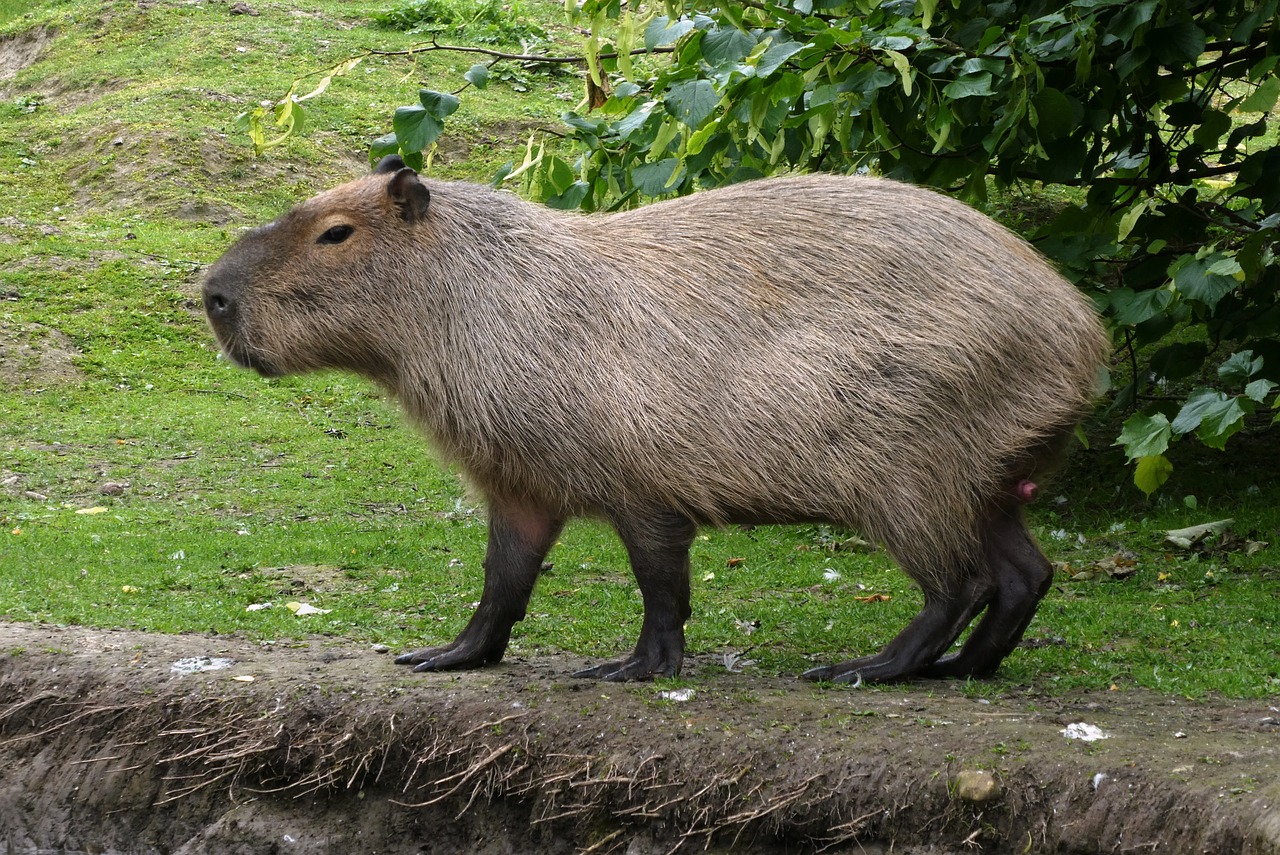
column 415, row 128
column 439, row 105
column 382, row 147
column 477, row 75
column 1145, row 435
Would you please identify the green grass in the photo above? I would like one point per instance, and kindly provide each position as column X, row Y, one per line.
column 121, row 176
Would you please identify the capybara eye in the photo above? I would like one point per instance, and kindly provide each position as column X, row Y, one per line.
column 337, row 234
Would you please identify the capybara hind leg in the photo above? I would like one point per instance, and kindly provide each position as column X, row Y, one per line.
column 519, row 538
column 1022, row 576
column 659, row 551
column 945, row 614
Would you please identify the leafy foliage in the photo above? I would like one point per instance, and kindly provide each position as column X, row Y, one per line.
column 1154, row 116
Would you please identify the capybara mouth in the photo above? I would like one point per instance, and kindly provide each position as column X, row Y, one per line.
column 241, row 356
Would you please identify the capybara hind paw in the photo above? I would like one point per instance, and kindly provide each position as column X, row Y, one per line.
column 447, row 658
column 869, row 669
column 628, row 670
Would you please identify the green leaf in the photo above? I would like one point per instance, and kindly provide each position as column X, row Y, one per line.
column 775, row 55
column 1130, row 308
column 662, row 31
column 415, row 128
column 1202, row 404
column 903, row 65
column 1131, row 17
column 1054, row 114
column 726, row 46
column 927, row 9
column 1196, row 279
column 1263, row 99
column 478, row 75
column 383, row 146
column 692, row 102
column 560, row 175
column 655, row 179
column 1177, row 44
column 1239, row 367
column 1145, row 435
column 571, row 198
column 439, row 105
column 977, row 83
column 1259, row 389
column 1213, row 124
column 1220, row 424
column 1151, row 473
column 1180, row 360
column 635, row 120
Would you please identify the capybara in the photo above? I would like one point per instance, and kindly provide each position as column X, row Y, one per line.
column 849, row 350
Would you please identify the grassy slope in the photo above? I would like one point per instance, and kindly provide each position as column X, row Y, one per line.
column 120, row 176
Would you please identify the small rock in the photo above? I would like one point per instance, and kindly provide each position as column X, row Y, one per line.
column 113, row 488
column 241, row 8
column 39, row 497
column 977, row 785
column 381, row 648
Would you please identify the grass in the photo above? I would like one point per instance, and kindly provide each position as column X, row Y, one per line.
column 119, row 181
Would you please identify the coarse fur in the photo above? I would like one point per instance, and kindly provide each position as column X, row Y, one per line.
column 811, row 348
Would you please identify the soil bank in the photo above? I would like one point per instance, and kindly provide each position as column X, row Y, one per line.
column 106, row 748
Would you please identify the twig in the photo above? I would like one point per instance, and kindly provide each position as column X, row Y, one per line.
column 511, row 57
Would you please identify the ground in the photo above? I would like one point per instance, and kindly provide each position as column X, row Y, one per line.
column 109, row 748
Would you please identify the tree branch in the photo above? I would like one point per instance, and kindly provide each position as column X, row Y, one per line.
column 510, row 57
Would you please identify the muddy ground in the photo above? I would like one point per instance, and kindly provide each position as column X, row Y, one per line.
column 105, row 747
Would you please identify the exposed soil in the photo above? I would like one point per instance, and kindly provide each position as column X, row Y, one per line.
column 20, row 51
column 34, row 354
column 336, row 750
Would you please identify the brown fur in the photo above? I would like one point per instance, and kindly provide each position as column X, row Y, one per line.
column 847, row 349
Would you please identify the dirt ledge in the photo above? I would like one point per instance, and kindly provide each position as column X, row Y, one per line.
column 333, row 750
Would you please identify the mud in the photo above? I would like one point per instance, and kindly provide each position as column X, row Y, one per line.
column 329, row 749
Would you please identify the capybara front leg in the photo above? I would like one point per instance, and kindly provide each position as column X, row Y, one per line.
column 1021, row 576
column 659, row 551
column 519, row 538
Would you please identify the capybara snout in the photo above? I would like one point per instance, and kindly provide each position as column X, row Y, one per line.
column 843, row 349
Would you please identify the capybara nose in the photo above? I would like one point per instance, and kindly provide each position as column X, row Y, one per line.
column 219, row 305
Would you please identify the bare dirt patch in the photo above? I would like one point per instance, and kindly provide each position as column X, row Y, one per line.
column 22, row 51
column 35, row 355
column 332, row 749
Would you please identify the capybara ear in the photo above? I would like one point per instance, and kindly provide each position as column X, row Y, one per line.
column 409, row 195
column 389, row 164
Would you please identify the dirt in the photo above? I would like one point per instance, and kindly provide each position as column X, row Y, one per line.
column 330, row 749
column 34, row 355
column 21, row 51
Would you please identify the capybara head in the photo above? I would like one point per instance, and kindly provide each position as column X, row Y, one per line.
column 308, row 290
